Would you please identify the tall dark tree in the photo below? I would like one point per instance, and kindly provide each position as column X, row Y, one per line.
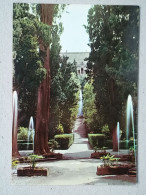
column 69, row 86
column 55, row 88
column 64, row 88
column 28, row 66
column 43, row 102
column 47, row 14
column 32, row 38
column 113, row 61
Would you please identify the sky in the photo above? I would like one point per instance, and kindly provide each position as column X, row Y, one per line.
column 74, row 37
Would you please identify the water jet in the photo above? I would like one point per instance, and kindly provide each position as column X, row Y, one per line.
column 31, row 131
column 130, row 121
column 15, row 152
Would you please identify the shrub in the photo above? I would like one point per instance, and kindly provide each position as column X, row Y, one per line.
column 109, row 160
column 23, row 146
column 123, row 144
column 53, row 144
column 89, row 107
column 59, row 129
column 33, row 158
column 23, row 134
column 108, row 143
column 105, row 130
column 74, row 109
column 23, row 139
column 64, row 141
column 96, row 140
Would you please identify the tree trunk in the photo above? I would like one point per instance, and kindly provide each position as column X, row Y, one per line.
column 115, row 140
column 113, row 114
column 43, row 102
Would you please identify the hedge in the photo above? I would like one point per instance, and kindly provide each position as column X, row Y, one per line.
column 96, row 140
column 23, row 141
column 64, row 140
column 23, row 146
column 122, row 145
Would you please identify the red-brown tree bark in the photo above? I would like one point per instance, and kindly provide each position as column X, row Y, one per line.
column 43, row 102
column 15, row 152
column 115, row 140
column 113, row 113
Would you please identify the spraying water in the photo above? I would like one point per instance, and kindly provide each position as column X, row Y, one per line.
column 31, row 131
column 130, row 120
column 15, row 124
column 118, row 135
column 80, row 113
column 15, row 113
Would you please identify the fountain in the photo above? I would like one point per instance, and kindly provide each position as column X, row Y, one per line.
column 15, row 152
column 80, row 113
column 121, row 168
column 130, row 121
column 118, row 136
column 31, row 131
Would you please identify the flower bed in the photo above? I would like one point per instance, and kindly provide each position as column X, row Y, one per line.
column 112, row 167
column 47, row 157
column 97, row 155
column 113, row 170
column 29, row 171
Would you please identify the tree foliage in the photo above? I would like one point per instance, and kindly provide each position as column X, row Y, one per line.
column 28, row 64
column 64, row 91
column 28, row 33
column 113, row 61
column 89, row 107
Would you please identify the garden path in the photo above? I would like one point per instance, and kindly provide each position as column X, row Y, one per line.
column 76, row 169
column 80, row 149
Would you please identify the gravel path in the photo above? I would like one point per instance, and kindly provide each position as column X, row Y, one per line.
column 72, row 172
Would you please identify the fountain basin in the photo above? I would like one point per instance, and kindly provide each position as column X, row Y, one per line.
column 29, row 171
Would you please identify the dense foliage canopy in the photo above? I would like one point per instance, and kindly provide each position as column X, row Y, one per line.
column 113, row 61
column 29, row 71
column 28, row 63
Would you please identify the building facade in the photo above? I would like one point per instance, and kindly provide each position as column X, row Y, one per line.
column 79, row 58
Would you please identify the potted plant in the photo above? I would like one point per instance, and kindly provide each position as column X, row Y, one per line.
column 32, row 170
column 99, row 152
column 112, row 167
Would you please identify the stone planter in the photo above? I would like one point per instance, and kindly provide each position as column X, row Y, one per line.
column 97, row 155
column 29, row 171
column 113, row 170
